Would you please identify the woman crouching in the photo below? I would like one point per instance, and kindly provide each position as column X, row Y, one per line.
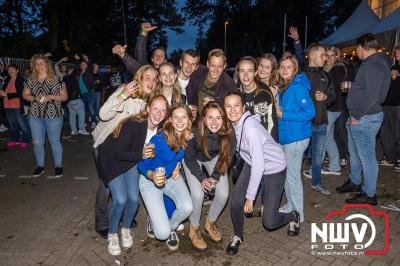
column 161, row 175
column 263, row 159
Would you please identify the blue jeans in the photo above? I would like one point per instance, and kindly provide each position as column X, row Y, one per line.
column 90, row 101
column 293, row 186
column 317, row 146
column 76, row 107
column 362, row 140
column 52, row 127
column 125, row 199
column 154, row 202
column 330, row 143
column 18, row 122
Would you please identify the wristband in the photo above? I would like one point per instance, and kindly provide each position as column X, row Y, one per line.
column 143, row 32
column 123, row 96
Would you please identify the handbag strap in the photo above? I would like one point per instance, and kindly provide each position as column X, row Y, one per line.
column 241, row 133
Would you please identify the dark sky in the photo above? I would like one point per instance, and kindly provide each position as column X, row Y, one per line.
column 184, row 41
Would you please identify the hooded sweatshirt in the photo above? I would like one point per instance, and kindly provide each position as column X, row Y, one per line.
column 259, row 150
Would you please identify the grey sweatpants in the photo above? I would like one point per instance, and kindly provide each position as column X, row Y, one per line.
column 197, row 194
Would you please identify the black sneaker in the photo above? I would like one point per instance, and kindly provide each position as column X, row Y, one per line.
column 362, row 198
column 397, row 166
column 103, row 233
column 172, row 241
column 294, row 225
column 348, row 186
column 58, row 172
column 233, row 247
column 38, row 171
column 150, row 232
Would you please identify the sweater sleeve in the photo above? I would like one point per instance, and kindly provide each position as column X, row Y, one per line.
column 170, row 167
column 140, row 49
column 126, row 137
column 256, row 140
column 111, row 107
column 331, row 95
column 191, row 161
column 306, row 110
column 130, row 63
column 299, row 53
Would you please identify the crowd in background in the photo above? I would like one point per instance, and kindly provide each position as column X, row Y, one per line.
column 177, row 134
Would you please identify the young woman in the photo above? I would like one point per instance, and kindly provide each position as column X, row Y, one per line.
column 13, row 103
column 169, row 85
column 263, row 159
column 266, row 66
column 295, row 112
column 118, row 157
column 259, row 98
column 211, row 147
column 161, row 175
column 46, row 93
column 126, row 101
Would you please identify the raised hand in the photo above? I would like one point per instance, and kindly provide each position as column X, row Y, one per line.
column 119, row 50
column 146, row 26
column 293, row 33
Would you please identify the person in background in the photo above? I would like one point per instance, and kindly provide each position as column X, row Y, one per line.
column 87, row 87
column 212, row 146
column 263, row 159
column 118, row 157
column 13, row 102
column 364, row 102
column 46, row 93
column 161, row 175
column 323, row 96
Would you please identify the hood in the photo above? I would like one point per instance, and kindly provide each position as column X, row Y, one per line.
column 302, row 78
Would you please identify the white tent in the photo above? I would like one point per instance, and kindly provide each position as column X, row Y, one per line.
column 359, row 22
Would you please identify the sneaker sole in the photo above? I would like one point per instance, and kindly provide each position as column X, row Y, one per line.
column 114, row 253
column 151, row 236
column 172, row 248
column 58, row 176
column 38, row 174
column 126, row 246
column 330, row 173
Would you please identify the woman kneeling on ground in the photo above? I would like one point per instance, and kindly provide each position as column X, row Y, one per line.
column 263, row 159
column 211, row 147
column 118, row 158
column 161, row 175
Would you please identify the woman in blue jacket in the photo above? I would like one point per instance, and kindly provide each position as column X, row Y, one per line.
column 295, row 112
column 169, row 146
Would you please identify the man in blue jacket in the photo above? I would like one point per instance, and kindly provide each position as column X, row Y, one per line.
column 364, row 100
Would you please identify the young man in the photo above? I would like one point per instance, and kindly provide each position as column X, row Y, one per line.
column 364, row 99
column 322, row 95
column 188, row 63
column 210, row 83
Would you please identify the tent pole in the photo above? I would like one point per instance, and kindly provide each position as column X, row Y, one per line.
column 305, row 33
column 284, row 34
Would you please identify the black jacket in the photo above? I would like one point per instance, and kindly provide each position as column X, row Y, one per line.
column 19, row 86
column 194, row 153
column 118, row 155
column 370, row 87
column 71, row 82
column 320, row 80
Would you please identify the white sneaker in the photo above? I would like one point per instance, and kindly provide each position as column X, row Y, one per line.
column 326, row 171
column 181, row 227
column 307, row 173
column 3, row 128
column 126, row 238
column 113, row 245
column 73, row 133
column 83, row 132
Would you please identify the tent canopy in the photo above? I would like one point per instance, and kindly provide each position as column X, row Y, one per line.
column 359, row 22
column 389, row 23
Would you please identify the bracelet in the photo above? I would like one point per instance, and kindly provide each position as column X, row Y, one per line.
column 123, row 96
column 143, row 32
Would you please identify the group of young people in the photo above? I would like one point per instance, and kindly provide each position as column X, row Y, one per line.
column 172, row 135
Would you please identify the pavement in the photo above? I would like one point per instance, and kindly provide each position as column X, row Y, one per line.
column 50, row 221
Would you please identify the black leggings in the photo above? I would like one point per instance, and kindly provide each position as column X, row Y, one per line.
column 273, row 189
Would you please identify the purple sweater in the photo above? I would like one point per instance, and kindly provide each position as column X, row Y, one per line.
column 259, row 150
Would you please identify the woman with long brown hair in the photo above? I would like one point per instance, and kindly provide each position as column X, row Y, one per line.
column 46, row 92
column 118, row 158
column 212, row 146
column 161, row 175
column 266, row 67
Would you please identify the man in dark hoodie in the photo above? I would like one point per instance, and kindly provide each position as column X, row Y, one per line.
column 364, row 100
column 322, row 95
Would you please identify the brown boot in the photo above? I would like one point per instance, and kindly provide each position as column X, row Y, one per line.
column 196, row 238
column 212, row 230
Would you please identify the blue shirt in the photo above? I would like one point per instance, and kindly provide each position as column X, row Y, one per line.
column 82, row 86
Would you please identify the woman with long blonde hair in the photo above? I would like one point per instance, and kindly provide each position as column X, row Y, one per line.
column 161, row 175
column 46, row 93
column 168, row 84
column 118, row 157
